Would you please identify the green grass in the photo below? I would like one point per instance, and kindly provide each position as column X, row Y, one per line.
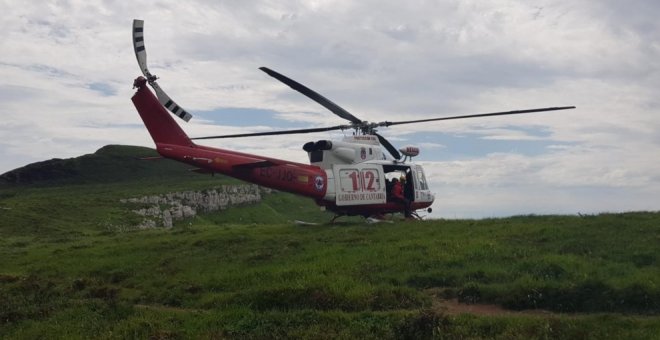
column 255, row 279
column 72, row 267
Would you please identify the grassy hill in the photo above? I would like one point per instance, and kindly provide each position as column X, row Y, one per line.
column 109, row 164
column 72, row 267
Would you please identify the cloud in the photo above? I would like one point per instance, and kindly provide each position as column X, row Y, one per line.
column 568, row 181
column 431, row 146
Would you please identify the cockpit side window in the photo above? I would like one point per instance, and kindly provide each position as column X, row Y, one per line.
column 421, row 179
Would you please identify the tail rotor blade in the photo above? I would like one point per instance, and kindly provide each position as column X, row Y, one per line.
column 139, row 48
column 169, row 104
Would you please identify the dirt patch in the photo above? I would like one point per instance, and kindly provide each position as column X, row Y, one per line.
column 162, row 308
column 454, row 307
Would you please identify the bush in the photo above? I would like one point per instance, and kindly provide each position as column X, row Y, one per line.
column 470, row 293
column 28, row 298
column 422, row 325
column 323, row 298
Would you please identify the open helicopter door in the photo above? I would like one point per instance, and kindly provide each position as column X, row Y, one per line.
column 422, row 192
column 359, row 184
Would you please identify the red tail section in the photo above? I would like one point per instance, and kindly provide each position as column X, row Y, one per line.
column 172, row 142
column 162, row 127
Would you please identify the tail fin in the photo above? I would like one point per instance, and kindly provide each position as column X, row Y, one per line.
column 162, row 127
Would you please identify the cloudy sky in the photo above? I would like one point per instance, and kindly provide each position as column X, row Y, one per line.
column 67, row 67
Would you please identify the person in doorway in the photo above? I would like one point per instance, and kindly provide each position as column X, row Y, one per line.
column 398, row 196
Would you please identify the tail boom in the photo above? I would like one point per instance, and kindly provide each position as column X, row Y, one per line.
column 161, row 126
column 172, row 142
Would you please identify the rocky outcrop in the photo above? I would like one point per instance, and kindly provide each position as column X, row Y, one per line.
column 164, row 210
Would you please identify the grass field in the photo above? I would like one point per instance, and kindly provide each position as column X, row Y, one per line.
column 73, row 267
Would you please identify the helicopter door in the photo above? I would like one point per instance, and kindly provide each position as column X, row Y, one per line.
column 422, row 192
column 359, row 184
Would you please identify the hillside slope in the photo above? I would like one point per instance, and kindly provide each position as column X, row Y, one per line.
column 85, row 193
column 109, row 164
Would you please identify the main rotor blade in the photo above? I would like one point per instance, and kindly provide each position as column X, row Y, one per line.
column 325, row 102
column 393, row 151
column 281, row 132
column 479, row 115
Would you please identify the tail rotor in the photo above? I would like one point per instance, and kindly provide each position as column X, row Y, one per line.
column 141, row 56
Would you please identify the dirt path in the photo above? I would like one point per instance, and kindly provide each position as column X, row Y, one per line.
column 454, row 307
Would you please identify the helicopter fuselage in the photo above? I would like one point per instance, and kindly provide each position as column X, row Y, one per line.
column 348, row 187
column 359, row 177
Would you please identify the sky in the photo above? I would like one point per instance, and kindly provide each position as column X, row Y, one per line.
column 67, row 68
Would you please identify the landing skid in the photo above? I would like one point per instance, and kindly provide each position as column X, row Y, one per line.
column 368, row 220
column 373, row 220
column 387, row 218
column 298, row 222
column 415, row 216
column 332, row 221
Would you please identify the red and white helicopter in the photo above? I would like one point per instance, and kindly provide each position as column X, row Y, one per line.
column 347, row 177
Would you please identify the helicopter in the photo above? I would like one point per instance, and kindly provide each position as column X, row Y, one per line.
column 352, row 176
